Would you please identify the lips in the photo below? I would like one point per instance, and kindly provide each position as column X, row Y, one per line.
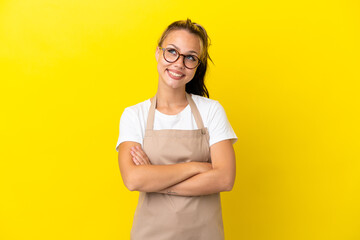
column 175, row 74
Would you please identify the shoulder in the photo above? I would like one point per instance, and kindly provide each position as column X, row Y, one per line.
column 136, row 114
column 215, row 119
column 138, row 108
column 206, row 104
column 204, row 101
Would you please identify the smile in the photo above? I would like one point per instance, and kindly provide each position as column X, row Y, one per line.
column 175, row 75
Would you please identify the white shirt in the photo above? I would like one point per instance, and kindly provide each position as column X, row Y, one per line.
column 133, row 121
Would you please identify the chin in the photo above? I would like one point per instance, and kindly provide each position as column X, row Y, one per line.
column 174, row 84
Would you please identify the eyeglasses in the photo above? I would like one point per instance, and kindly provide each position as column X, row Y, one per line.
column 172, row 55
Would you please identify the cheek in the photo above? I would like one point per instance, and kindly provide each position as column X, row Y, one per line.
column 192, row 74
column 162, row 65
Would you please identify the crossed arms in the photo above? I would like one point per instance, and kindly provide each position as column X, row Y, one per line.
column 185, row 179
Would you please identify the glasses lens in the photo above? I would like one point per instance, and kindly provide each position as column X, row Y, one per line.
column 191, row 61
column 171, row 55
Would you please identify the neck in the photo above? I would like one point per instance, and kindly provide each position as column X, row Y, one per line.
column 171, row 97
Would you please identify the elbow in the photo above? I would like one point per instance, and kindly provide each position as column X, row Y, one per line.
column 228, row 185
column 130, row 186
column 131, row 183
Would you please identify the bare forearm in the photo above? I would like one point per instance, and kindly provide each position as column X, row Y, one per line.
column 205, row 183
column 139, row 174
column 153, row 178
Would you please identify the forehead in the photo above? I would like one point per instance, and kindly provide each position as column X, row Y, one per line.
column 184, row 40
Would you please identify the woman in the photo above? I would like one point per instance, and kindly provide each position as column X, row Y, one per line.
column 176, row 148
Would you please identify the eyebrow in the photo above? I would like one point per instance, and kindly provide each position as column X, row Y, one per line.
column 179, row 49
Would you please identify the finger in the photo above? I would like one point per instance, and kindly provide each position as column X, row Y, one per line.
column 135, row 158
column 135, row 161
column 140, row 157
column 139, row 161
column 141, row 151
column 143, row 154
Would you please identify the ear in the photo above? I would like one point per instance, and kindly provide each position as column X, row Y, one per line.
column 157, row 53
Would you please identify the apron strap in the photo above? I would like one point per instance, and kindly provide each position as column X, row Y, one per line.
column 194, row 110
column 151, row 115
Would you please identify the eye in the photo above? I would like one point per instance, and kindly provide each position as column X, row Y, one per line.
column 172, row 51
column 191, row 58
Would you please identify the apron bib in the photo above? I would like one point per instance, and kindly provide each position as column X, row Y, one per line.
column 170, row 217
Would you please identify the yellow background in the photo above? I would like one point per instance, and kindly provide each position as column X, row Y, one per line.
column 286, row 72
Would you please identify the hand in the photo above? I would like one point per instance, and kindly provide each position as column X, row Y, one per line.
column 139, row 157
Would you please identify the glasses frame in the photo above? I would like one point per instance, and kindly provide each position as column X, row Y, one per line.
column 179, row 54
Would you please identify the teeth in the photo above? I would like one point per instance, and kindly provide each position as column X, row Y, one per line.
column 175, row 74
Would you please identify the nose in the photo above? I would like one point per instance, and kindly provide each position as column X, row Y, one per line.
column 180, row 62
